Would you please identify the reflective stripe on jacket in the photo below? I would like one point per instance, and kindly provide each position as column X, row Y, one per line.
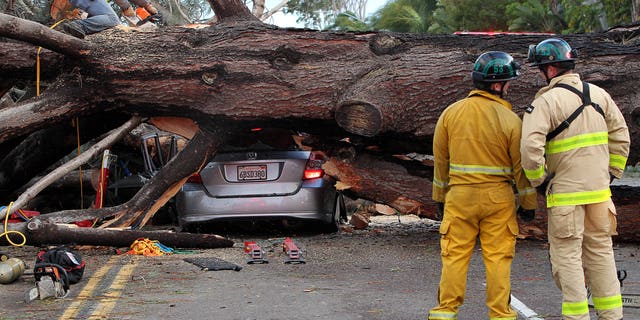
column 477, row 140
column 582, row 156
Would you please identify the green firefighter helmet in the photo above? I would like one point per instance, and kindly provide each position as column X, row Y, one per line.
column 551, row 51
column 495, row 66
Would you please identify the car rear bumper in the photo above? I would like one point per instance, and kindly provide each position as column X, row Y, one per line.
column 195, row 205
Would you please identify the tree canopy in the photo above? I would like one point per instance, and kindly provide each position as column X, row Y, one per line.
column 447, row 16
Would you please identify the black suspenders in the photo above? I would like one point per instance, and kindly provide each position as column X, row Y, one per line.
column 586, row 100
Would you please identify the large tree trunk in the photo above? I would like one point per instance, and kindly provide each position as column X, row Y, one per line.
column 371, row 83
column 372, row 87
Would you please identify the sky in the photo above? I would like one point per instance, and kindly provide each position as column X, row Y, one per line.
column 288, row 20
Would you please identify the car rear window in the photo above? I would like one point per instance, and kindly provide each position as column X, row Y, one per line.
column 261, row 139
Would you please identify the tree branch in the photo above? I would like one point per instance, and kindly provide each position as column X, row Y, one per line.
column 115, row 135
column 39, row 35
column 232, row 11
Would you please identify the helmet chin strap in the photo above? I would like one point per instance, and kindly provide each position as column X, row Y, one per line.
column 544, row 71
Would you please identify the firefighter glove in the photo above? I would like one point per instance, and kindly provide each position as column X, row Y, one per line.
column 440, row 212
column 526, row 215
column 542, row 188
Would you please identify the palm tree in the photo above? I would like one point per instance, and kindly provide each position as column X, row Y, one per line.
column 405, row 16
column 533, row 15
column 348, row 21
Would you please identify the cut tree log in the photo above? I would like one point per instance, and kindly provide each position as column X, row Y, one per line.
column 40, row 233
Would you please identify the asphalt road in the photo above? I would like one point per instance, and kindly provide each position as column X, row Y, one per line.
column 389, row 271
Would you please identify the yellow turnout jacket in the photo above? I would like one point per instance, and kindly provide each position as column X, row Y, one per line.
column 477, row 140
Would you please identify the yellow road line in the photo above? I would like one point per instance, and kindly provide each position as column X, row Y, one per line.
column 87, row 292
column 116, row 290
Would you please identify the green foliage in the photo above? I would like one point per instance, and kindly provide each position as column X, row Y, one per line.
column 596, row 15
column 310, row 12
column 196, row 10
column 469, row 15
column 447, row 16
column 580, row 16
column 533, row 16
column 348, row 21
column 320, row 13
column 405, row 16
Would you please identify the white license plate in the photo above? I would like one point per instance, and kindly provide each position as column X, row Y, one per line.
column 252, row 173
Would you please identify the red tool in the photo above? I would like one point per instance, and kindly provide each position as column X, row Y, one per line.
column 107, row 158
column 256, row 254
column 294, row 255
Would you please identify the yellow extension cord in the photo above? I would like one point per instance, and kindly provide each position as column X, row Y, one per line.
column 7, row 232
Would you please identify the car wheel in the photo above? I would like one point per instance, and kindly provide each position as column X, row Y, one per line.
column 339, row 213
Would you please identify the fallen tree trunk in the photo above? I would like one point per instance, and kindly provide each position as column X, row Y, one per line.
column 40, row 233
column 377, row 83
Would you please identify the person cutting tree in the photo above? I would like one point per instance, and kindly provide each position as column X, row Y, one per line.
column 92, row 16
column 99, row 16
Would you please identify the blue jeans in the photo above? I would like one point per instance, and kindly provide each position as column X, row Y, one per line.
column 96, row 24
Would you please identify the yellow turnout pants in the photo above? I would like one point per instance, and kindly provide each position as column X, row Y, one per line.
column 486, row 211
column 581, row 252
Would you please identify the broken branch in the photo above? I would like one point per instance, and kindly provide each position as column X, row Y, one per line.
column 114, row 136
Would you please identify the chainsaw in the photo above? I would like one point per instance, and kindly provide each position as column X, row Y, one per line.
column 629, row 300
column 51, row 282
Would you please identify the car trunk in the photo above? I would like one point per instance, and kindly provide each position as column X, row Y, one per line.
column 251, row 174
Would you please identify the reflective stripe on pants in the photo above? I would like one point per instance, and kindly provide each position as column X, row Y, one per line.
column 488, row 211
column 581, row 252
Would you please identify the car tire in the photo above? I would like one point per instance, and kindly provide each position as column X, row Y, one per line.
column 339, row 213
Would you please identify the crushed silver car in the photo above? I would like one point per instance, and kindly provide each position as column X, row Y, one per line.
column 262, row 174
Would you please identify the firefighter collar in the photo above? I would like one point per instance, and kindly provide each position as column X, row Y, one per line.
column 490, row 96
column 572, row 79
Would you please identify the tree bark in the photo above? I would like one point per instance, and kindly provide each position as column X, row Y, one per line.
column 369, row 83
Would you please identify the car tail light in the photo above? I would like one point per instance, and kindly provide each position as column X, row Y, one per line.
column 314, row 166
column 195, row 178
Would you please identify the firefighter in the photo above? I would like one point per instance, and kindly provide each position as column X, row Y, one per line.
column 573, row 167
column 476, row 150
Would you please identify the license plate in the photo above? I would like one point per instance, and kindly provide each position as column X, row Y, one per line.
column 252, row 173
